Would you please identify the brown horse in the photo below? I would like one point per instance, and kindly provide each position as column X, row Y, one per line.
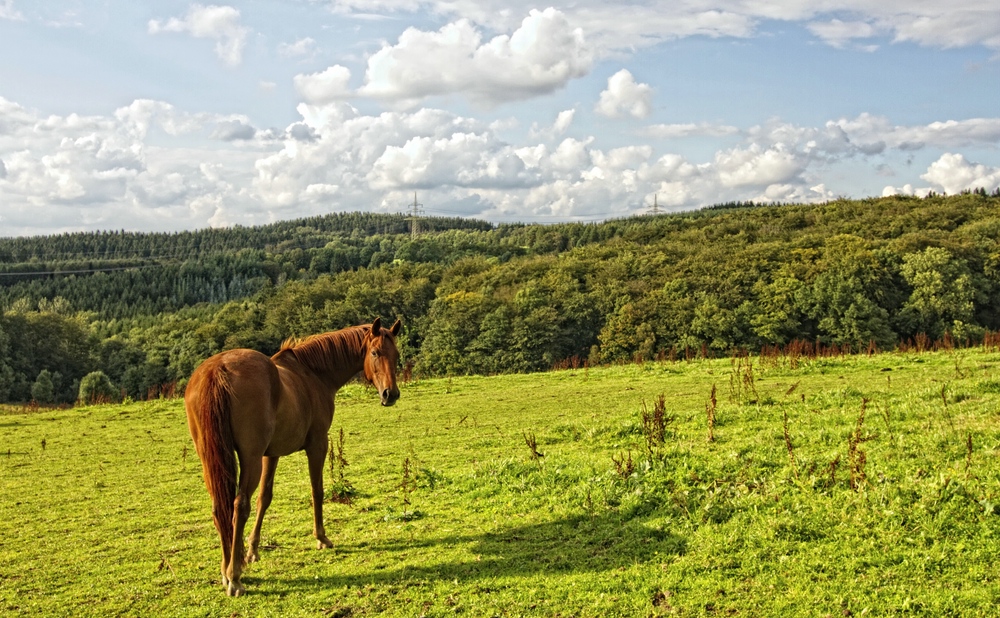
column 263, row 408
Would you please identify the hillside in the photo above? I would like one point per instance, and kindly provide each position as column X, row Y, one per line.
column 146, row 308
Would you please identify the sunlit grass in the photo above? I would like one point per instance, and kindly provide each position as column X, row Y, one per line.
column 110, row 516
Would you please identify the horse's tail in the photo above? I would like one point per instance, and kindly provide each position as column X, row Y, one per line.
column 218, row 450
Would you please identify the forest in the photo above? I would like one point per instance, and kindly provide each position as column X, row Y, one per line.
column 119, row 314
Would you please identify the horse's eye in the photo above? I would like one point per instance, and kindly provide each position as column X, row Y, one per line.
column 375, row 353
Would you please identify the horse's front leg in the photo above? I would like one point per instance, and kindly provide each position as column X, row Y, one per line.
column 263, row 501
column 316, row 454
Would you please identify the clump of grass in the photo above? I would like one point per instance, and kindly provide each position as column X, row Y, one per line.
column 968, row 453
column 857, row 458
column 341, row 489
column 624, row 466
column 788, row 445
column 710, row 408
column 655, row 422
column 886, row 417
column 407, row 485
column 742, row 386
column 833, row 470
column 532, row 444
column 944, row 400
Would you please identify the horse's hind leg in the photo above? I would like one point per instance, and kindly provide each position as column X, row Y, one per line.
column 250, row 468
column 316, row 454
column 263, row 501
column 226, row 550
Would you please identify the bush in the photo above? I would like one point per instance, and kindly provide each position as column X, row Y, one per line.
column 96, row 387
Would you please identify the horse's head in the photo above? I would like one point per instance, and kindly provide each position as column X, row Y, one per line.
column 381, row 359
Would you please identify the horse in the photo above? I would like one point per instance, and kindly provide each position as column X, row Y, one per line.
column 242, row 405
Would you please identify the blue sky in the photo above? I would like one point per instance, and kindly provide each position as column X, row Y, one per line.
column 180, row 115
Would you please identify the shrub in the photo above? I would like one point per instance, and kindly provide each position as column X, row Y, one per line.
column 96, row 387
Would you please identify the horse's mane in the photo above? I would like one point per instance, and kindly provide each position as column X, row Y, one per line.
column 328, row 352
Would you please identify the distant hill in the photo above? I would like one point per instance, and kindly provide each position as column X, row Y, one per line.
column 478, row 298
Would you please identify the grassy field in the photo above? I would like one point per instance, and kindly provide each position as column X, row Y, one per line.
column 799, row 506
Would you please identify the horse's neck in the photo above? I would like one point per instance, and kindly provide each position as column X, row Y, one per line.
column 333, row 379
column 338, row 378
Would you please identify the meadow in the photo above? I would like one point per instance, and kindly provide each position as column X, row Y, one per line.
column 846, row 486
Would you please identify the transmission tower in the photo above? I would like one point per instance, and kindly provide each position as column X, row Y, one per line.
column 656, row 206
column 414, row 217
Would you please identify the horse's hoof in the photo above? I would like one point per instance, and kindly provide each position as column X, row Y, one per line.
column 324, row 544
column 235, row 590
column 252, row 556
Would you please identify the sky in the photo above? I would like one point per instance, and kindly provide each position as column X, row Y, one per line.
column 175, row 115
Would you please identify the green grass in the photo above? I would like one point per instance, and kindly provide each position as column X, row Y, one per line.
column 111, row 517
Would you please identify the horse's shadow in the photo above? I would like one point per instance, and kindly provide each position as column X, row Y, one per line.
column 581, row 543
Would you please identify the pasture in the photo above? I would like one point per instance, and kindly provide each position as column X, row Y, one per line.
column 837, row 487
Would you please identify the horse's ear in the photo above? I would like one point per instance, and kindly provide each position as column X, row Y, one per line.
column 396, row 327
column 377, row 327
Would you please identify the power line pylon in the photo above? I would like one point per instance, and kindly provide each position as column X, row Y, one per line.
column 414, row 217
column 656, row 206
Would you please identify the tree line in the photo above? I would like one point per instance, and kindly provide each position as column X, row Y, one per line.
column 475, row 298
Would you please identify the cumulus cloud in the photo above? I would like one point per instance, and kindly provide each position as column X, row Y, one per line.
column 954, row 174
column 562, row 123
column 757, row 166
column 539, row 57
column 220, row 23
column 625, row 97
column 233, row 130
column 162, row 168
column 301, row 47
column 324, row 87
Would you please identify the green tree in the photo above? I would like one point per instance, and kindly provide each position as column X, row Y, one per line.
column 943, row 293
column 43, row 389
column 845, row 297
column 96, row 387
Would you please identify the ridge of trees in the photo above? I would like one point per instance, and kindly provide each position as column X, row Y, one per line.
column 475, row 298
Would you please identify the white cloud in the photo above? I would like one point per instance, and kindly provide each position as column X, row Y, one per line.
column 562, row 123
column 756, row 166
column 839, row 33
column 324, row 87
column 628, row 25
column 625, row 97
column 953, row 174
column 960, row 26
column 868, row 134
column 7, row 11
column 539, row 57
column 158, row 167
column 234, row 129
column 302, row 47
column 221, row 23
column 677, row 131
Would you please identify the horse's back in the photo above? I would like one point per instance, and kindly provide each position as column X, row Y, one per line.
column 252, row 386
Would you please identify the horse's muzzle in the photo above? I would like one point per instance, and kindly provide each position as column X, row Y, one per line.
column 389, row 396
